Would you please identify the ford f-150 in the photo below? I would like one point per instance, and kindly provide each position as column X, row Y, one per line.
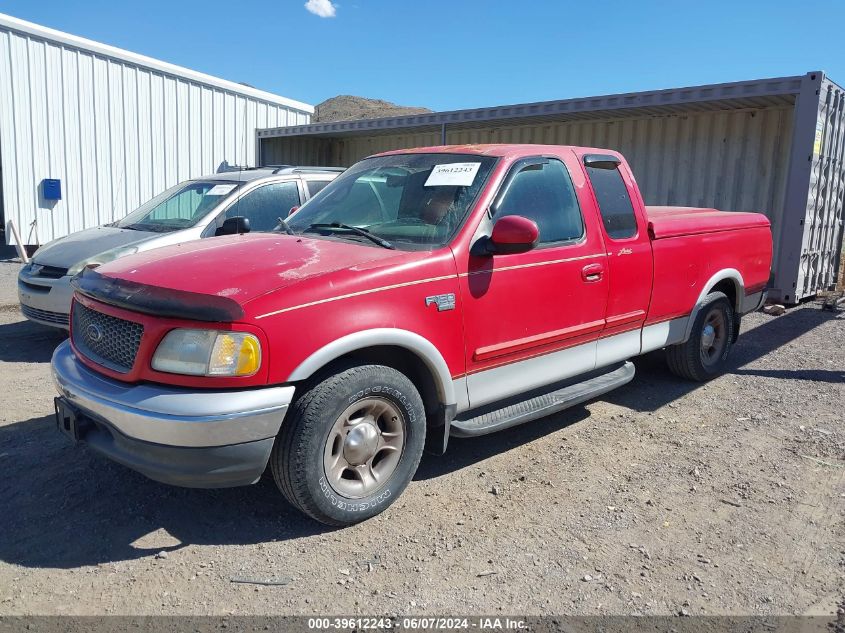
column 423, row 294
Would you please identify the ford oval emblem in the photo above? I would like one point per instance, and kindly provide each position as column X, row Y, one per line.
column 93, row 333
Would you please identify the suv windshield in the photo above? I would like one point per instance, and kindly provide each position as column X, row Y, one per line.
column 412, row 200
column 179, row 207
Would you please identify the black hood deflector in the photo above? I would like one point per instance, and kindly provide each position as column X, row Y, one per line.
column 157, row 301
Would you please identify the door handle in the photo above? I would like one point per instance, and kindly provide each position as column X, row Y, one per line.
column 592, row 272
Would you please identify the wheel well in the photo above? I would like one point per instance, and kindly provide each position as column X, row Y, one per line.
column 728, row 286
column 400, row 359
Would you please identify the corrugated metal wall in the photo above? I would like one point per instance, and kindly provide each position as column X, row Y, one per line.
column 115, row 133
column 820, row 250
column 728, row 159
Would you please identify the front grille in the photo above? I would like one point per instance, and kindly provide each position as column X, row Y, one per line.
column 50, row 272
column 56, row 318
column 107, row 340
column 35, row 287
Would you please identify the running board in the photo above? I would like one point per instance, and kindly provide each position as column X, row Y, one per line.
column 542, row 405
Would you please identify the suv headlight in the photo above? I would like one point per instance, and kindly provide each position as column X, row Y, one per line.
column 102, row 258
column 208, row 353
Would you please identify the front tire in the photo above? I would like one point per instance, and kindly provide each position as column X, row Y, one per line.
column 350, row 444
column 704, row 355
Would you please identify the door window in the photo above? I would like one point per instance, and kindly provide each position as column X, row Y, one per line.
column 542, row 191
column 316, row 186
column 265, row 205
column 617, row 212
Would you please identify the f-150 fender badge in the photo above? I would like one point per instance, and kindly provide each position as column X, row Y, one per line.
column 624, row 251
column 443, row 302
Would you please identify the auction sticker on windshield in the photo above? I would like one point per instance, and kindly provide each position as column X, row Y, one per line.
column 452, row 175
column 220, row 190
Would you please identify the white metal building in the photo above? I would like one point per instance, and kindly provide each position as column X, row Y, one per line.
column 114, row 128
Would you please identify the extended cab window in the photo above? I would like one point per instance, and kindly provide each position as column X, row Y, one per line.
column 541, row 190
column 265, row 205
column 617, row 212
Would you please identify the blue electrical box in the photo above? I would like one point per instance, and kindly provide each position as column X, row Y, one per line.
column 51, row 189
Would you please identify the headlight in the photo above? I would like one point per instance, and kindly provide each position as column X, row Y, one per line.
column 103, row 258
column 208, row 353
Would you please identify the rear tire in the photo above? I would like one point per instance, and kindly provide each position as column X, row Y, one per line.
column 350, row 444
column 704, row 355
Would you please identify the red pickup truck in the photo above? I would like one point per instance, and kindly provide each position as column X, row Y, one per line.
column 423, row 294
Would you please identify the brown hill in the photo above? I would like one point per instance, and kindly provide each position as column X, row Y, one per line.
column 348, row 108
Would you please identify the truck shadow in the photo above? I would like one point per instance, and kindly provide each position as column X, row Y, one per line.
column 66, row 507
column 464, row 452
column 27, row 342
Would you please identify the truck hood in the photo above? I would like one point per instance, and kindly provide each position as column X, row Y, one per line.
column 67, row 251
column 241, row 267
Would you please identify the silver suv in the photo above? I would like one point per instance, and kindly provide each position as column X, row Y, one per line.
column 191, row 210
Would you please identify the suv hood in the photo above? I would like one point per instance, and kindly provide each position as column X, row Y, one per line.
column 67, row 251
column 241, row 267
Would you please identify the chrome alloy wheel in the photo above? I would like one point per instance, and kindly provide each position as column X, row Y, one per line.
column 364, row 447
column 714, row 337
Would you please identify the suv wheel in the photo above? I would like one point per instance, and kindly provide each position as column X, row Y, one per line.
column 350, row 444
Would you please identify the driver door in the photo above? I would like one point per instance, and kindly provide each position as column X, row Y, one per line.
column 535, row 317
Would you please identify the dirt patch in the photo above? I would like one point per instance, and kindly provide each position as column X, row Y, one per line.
column 662, row 497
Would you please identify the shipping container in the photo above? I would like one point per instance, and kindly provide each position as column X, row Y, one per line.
column 112, row 127
column 773, row 145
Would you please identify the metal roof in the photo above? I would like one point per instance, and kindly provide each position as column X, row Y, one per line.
column 80, row 43
column 727, row 96
column 247, row 174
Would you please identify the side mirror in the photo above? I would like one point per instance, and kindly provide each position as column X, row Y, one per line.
column 513, row 234
column 233, row 226
column 293, row 210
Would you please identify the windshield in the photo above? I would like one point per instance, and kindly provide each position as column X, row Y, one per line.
column 179, row 207
column 412, row 200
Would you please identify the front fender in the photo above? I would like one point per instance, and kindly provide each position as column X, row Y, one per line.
column 418, row 345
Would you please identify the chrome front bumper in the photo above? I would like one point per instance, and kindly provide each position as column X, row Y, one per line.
column 188, row 437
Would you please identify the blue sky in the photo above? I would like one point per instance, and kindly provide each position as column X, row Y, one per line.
column 450, row 54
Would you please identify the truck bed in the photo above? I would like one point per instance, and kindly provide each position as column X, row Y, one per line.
column 666, row 222
column 690, row 245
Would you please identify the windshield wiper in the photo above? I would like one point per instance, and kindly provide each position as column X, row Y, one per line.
column 152, row 228
column 355, row 229
column 285, row 226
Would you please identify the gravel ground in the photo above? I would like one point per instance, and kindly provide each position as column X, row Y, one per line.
column 663, row 497
column 8, row 283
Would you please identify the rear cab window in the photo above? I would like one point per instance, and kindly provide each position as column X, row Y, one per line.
column 614, row 202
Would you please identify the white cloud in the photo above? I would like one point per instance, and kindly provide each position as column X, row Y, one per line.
column 322, row 8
